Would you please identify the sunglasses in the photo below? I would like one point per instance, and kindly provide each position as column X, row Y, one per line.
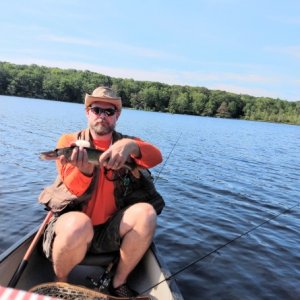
column 107, row 111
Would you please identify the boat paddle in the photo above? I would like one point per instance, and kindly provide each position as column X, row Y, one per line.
column 15, row 278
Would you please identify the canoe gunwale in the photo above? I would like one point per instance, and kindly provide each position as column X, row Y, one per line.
column 166, row 272
column 17, row 245
column 26, row 240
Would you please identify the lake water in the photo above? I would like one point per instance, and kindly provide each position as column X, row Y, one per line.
column 220, row 180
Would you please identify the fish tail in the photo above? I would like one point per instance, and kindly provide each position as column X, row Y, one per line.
column 50, row 155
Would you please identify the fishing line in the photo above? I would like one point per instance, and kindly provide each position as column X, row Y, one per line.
column 222, row 246
column 168, row 157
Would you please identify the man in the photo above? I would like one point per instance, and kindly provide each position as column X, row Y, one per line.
column 121, row 211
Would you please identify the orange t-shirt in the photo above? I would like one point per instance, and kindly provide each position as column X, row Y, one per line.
column 102, row 204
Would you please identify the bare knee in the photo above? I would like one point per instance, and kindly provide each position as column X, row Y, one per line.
column 147, row 213
column 141, row 217
column 74, row 228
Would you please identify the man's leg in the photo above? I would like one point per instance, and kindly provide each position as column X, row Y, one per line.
column 74, row 232
column 137, row 228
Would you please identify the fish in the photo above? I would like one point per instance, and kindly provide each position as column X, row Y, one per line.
column 93, row 154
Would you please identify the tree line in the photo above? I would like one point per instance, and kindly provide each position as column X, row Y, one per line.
column 71, row 85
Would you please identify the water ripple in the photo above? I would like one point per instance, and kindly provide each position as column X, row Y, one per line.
column 221, row 180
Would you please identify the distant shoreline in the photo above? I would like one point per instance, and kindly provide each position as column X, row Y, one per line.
column 69, row 85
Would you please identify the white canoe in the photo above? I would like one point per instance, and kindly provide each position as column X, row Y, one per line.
column 150, row 271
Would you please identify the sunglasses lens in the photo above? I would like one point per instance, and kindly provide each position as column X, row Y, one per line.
column 107, row 111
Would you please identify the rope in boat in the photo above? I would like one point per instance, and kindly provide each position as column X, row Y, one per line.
column 220, row 247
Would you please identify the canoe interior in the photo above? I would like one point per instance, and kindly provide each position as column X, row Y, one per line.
column 149, row 272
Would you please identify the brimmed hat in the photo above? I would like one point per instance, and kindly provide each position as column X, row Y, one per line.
column 103, row 94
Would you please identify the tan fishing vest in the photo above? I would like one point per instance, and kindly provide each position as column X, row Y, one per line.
column 129, row 189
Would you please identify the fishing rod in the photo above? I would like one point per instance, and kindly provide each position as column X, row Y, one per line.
column 220, row 247
column 165, row 162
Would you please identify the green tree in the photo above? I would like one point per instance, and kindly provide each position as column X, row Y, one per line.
column 199, row 101
column 72, row 85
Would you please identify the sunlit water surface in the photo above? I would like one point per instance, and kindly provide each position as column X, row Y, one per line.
column 221, row 179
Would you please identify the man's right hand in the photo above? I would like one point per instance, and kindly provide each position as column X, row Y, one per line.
column 79, row 159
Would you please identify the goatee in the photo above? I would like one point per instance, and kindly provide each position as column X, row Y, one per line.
column 103, row 129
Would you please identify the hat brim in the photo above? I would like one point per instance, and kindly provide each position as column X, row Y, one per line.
column 89, row 99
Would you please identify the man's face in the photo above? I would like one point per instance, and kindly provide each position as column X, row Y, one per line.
column 102, row 118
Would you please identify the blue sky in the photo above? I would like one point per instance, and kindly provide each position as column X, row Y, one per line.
column 243, row 46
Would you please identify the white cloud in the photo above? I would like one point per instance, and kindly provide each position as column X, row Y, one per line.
column 286, row 19
column 229, row 76
column 68, row 40
column 292, row 51
column 115, row 46
column 238, row 89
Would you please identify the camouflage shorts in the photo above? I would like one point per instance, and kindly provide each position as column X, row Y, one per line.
column 106, row 236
